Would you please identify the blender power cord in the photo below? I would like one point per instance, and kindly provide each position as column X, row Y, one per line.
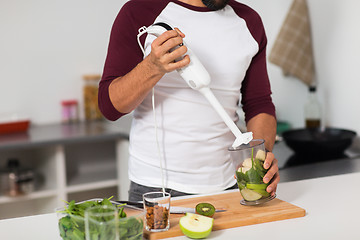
column 142, row 31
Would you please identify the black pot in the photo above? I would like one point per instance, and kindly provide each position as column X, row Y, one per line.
column 317, row 143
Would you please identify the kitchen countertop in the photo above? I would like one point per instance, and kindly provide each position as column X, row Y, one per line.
column 331, row 205
column 49, row 134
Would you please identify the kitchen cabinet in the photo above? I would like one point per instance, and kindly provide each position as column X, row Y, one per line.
column 71, row 161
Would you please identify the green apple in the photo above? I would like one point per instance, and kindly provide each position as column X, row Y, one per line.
column 195, row 225
column 247, row 163
column 258, row 186
column 260, row 155
column 250, row 195
column 245, row 169
column 263, row 193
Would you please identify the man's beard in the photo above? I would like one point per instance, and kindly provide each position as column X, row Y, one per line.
column 215, row 4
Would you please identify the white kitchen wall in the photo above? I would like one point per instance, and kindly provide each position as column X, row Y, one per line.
column 336, row 38
column 46, row 46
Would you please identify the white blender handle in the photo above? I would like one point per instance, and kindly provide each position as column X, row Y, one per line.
column 194, row 74
column 241, row 138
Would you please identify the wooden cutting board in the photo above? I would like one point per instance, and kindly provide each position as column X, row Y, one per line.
column 236, row 215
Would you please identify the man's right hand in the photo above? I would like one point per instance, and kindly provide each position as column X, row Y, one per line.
column 128, row 91
column 160, row 55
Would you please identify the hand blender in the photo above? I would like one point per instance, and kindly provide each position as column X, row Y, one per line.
column 197, row 77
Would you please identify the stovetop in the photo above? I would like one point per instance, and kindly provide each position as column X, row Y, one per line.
column 298, row 160
column 287, row 158
column 293, row 169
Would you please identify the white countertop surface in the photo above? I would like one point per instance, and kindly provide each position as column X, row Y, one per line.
column 332, row 207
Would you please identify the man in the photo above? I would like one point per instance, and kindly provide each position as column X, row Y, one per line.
column 229, row 39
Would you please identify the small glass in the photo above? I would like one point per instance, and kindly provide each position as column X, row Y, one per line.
column 248, row 160
column 101, row 223
column 157, row 210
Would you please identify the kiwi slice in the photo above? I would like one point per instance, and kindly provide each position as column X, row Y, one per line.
column 205, row 209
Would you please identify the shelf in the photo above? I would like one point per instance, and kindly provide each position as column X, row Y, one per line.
column 31, row 196
column 92, row 186
column 70, row 161
column 95, row 177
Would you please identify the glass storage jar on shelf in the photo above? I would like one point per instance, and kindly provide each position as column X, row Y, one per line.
column 90, row 92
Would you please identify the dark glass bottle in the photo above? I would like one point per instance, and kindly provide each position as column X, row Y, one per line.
column 312, row 110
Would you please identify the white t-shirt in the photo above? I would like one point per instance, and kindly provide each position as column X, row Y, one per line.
column 192, row 138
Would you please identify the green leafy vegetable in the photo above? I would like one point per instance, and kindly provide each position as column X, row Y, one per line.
column 253, row 177
column 242, row 179
column 72, row 225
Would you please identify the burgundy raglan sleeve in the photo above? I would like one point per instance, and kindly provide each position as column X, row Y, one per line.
column 255, row 90
column 122, row 56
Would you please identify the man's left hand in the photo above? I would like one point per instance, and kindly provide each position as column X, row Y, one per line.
column 272, row 176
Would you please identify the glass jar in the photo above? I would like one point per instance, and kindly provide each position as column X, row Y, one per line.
column 70, row 112
column 248, row 161
column 90, row 93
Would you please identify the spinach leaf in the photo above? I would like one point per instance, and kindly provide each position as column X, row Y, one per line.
column 72, row 226
column 254, row 175
column 259, row 167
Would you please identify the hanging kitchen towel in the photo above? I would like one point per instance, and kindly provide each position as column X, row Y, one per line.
column 292, row 50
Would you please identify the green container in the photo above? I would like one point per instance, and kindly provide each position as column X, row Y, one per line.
column 282, row 127
column 72, row 227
